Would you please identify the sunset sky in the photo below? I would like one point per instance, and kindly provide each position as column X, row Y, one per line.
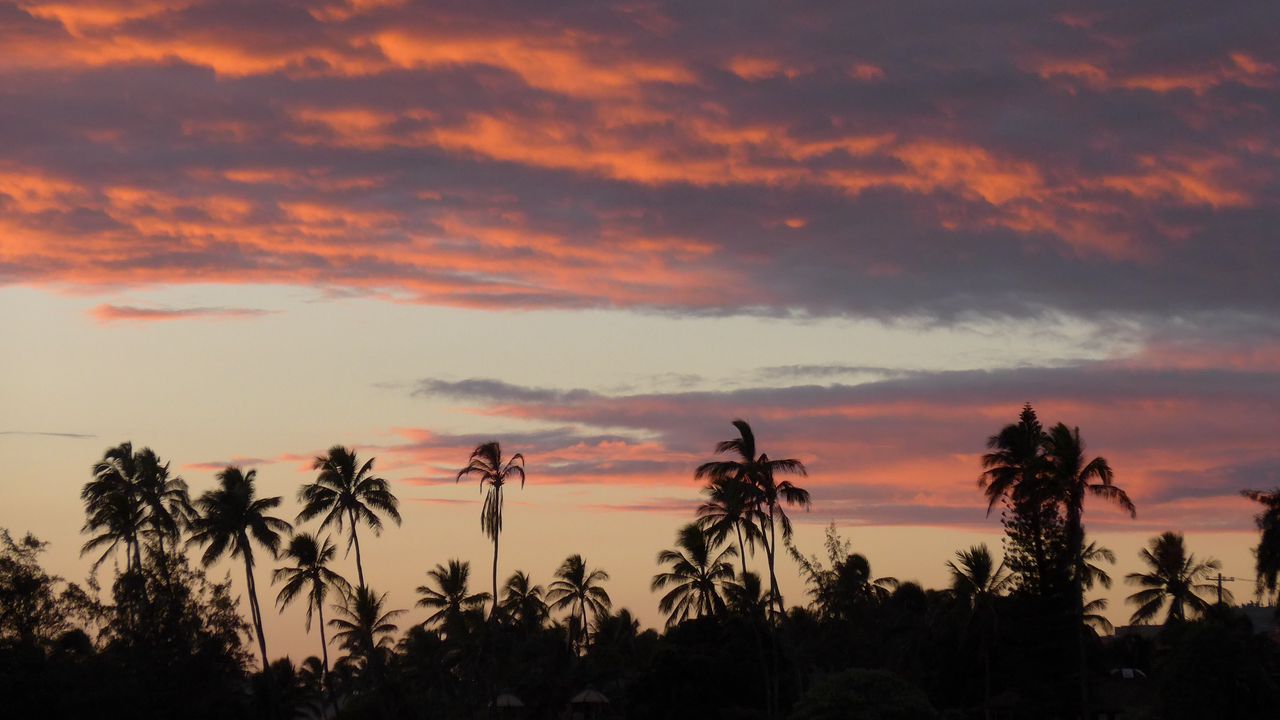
column 241, row 232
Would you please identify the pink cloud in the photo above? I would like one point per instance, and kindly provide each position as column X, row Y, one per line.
column 118, row 313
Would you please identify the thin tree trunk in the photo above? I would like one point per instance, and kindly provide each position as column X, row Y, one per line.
column 494, row 612
column 742, row 550
column 325, row 681
column 255, row 610
column 773, row 549
column 355, row 539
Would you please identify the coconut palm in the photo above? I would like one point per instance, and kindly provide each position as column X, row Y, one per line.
column 578, row 590
column 111, row 506
column 364, row 628
column 309, row 574
column 1175, row 577
column 976, row 580
column 766, row 495
column 747, row 597
column 493, row 473
column 231, row 519
column 348, row 493
column 728, row 511
column 1267, row 554
column 524, row 601
column 697, row 576
column 450, row 597
column 164, row 498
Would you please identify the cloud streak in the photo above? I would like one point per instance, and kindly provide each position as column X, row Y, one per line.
column 117, row 313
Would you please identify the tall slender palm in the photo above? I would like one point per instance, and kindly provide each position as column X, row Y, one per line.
column 1175, row 577
column 450, row 598
column 309, row 574
column 578, row 590
column 493, row 472
column 1267, row 554
column 728, row 510
column 231, row 519
column 165, row 499
column 346, row 492
column 697, row 576
column 111, row 506
column 524, row 601
column 364, row 628
column 1075, row 478
column 766, row 494
column 976, row 580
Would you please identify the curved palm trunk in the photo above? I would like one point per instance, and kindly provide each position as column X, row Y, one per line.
column 255, row 610
column 355, row 539
column 742, row 550
column 772, row 549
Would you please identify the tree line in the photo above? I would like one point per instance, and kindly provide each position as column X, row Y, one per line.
column 1014, row 637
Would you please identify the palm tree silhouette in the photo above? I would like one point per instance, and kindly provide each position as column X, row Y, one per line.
column 364, row 628
column 576, row 586
column 728, row 509
column 346, row 492
column 311, row 575
column 230, row 520
column 697, row 576
column 451, row 597
column 112, row 509
column 524, row 601
column 1073, row 478
column 1174, row 577
column 1094, row 574
column 1267, row 554
column 487, row 465
column 976, row 580
column 765, row 494
column 164, row 499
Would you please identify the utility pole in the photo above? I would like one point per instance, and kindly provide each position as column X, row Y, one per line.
column 1219, row 580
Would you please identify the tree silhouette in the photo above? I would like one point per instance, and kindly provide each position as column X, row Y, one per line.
column 727, row 511
column 1175, row 577
column 765, row 493
column 309, row 574
column 346, row 492
column 450, row 598
column 364, row 628
column 112, row 509
column 523, row 601
column 697, row 576
column 578, row 590
column 231, row 519
column 976, row 581
column 165, row 501
column 1267, row 554
column 488, row 466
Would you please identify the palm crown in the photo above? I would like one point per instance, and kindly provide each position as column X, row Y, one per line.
column 575, row 585
column 697, row 576
column 1175, row 576
column 347, row 493
column 450, row 597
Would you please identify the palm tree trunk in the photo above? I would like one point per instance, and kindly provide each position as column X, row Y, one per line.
column 494, row 612
column 1075, row 542
column 324, row 660
column 355, row 539
column 255, row 610
column 742, row 550
column 773, row 578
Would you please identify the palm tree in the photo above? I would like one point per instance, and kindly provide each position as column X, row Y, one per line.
column 697, row 575
column 364, row 627
column 112, row 509
column 310, row 574
column 765, row 495
column 523, row 601
column 1015, row 472
column 487, row 465
column 1073, row 478
column 346, row 492
column 576, row 586
column 976, row 580
column 165, row 500
column 230, row 520
column 728, row 510
column 1267, row 554
column 1175, row 577
column 450, row 597
column 747, row 597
